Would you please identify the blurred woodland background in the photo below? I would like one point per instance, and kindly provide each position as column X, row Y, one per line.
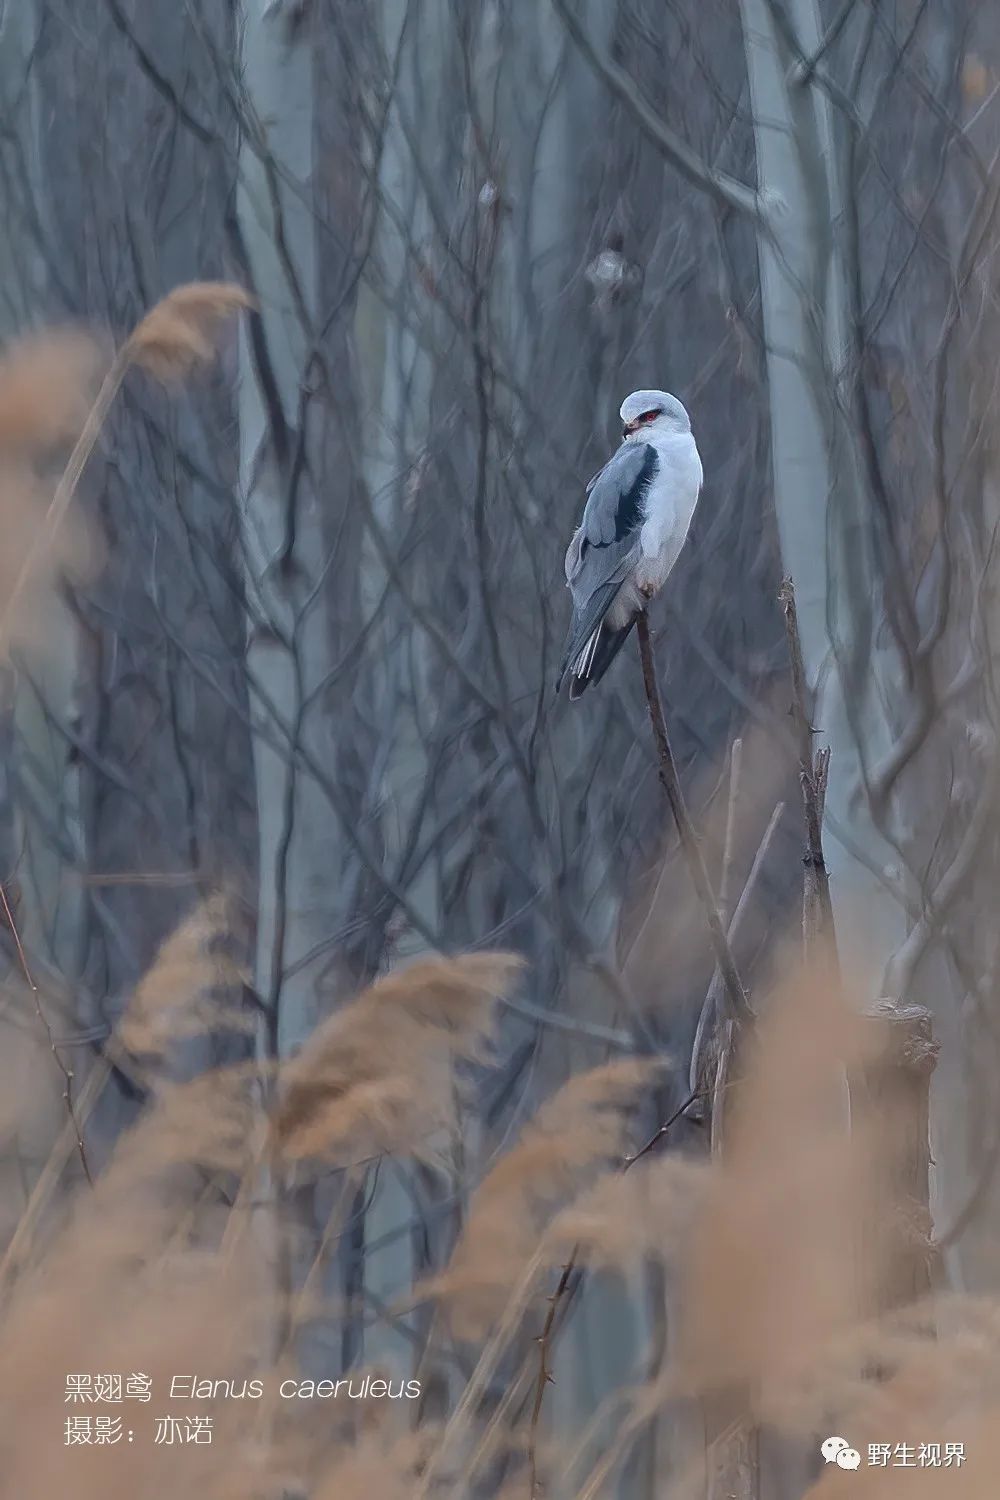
column 277, row 719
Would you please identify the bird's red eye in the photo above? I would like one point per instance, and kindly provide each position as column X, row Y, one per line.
column 647, row 416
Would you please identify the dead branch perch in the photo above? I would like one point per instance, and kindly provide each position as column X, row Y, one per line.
column 738, row 1007
column 736, row 996
column 705, row 1031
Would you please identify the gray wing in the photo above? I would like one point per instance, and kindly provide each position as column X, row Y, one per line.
column 612, row 518
column 616, row 494
column 606, row 546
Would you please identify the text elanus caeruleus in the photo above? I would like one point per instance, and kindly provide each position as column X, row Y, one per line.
column 634, row 525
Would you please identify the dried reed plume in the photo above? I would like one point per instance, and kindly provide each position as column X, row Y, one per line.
column 172, row 340
column 375, row 1466
column 157, row 1270
column 44, row 384
column 770, row 1267
column 627, row 1218
column 181, row 331
column 184, row 992
column 379, row 1075
column 212, row 1122
column 577, row 1134
column 46, row 388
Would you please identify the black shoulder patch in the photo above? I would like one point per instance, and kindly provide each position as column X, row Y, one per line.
column 616, row 504
column 630, row 505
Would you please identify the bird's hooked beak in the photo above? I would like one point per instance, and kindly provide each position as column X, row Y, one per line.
column 629, row 428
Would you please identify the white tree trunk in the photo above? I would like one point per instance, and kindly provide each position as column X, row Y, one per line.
column 818, row 495
column 825, row 530
column 283, row 536
column 396, row 377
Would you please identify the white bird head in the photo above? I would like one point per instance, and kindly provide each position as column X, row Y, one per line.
column 652, row 414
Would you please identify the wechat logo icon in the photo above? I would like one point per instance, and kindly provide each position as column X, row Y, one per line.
column 837, row 1450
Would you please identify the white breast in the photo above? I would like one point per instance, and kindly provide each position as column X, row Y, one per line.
column 672, row 497
column 670, row 505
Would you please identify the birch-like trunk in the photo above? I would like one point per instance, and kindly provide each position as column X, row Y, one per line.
column 825, row 526
column 819, row 497
column 285, row 546
column 286, row 559
column 820, row 505
column 396, row 379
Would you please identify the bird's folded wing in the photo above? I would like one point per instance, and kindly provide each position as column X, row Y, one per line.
column 607, row 545
column 616, row 495
column 595, row 583
column 602, row 568
column 607, row 542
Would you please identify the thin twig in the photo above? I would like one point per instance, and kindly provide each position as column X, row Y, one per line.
column 720, row 1085
column 544, row 1339
column 545, row 1377
column 67, row 1073
column 729, row 192
column 19, row 1249
column 736, row 995
column 711, row 1001
column 814, row 770
column 661, row 1131
column 729, row 845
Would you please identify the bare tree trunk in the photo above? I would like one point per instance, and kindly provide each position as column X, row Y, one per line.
column 818, row 493
column 825, row 508
column 286, row 551
column 286, row 554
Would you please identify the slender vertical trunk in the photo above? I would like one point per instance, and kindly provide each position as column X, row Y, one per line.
column 826, row 527
column 823, row 522
column 397, row 386
column 283, row 537
column 819, row 495
column 286, row 557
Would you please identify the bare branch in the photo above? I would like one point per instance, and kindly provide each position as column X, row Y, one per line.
column 736, row 996
column 725, row 189
column 66, row 1072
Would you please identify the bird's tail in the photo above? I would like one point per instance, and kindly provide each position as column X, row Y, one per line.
column 584, row 638
column 584, row 662
column 596, row 657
